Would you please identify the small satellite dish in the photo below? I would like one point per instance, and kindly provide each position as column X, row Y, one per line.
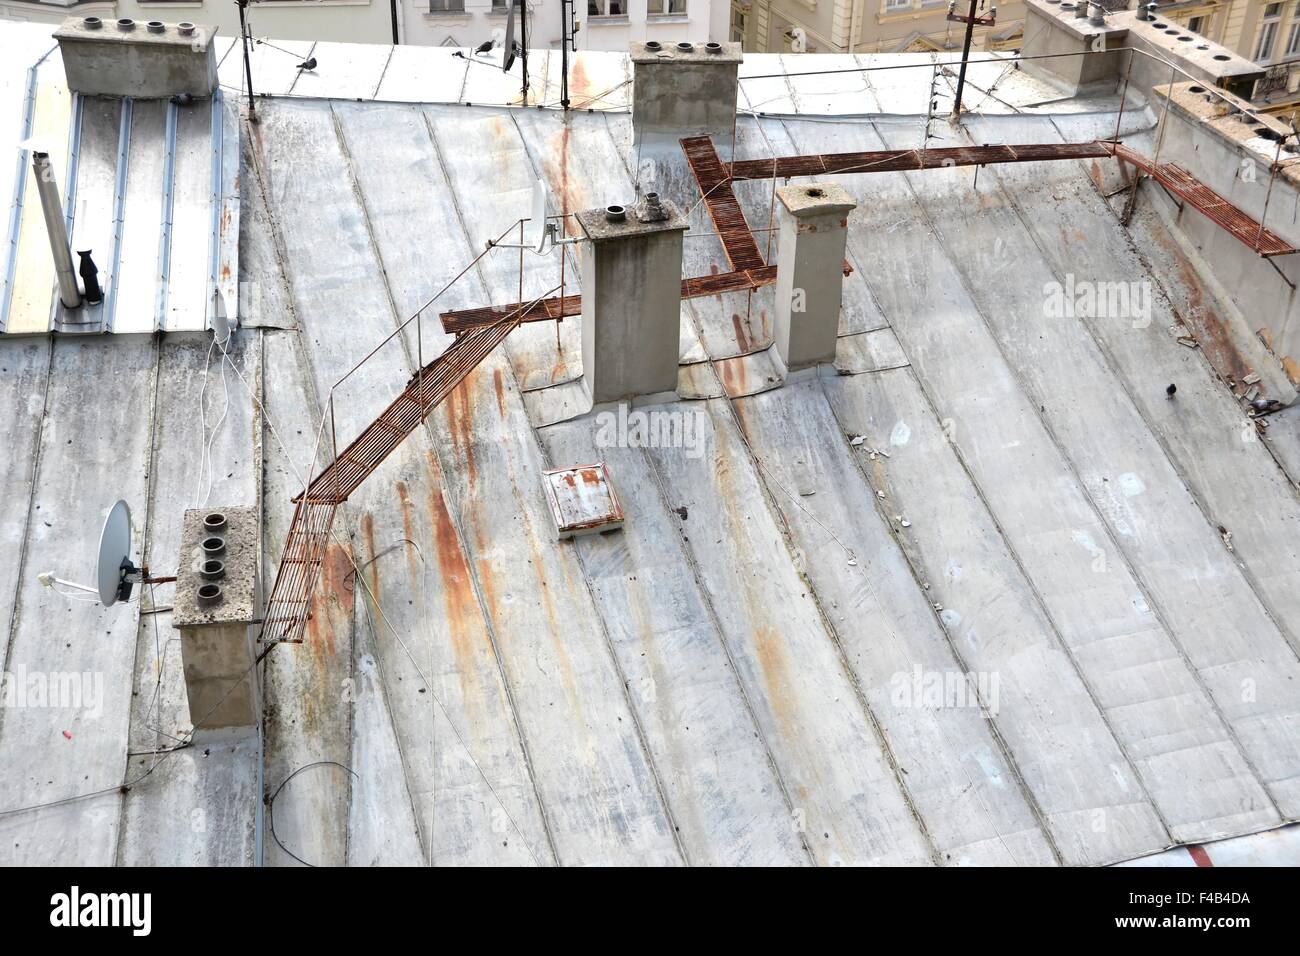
column 535, row 235
column 509, row 47
column 114, row 562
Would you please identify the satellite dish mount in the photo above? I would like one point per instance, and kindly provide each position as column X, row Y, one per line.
column 116, row 575
column 540, row 233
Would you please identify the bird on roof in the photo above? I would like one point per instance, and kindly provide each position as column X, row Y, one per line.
column 1171, row 390
column 308, row 64
column 484, row 47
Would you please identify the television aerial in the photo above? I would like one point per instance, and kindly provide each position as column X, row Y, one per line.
column 115, row 573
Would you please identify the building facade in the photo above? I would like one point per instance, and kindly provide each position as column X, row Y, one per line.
column 1266, row 32
column 602, row 24
column 867, row 26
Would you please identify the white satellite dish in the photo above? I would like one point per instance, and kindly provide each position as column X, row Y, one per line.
column 115, row 573
column 114, row 562
column 536, row 231
column 540, row 233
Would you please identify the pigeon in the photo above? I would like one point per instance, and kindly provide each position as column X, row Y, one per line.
column 1171, row 390
column 484, row 47
column 1264, row 405
column 308, row 64
column 183, row 99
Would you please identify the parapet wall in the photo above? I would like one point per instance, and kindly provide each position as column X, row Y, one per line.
column 1195, row 91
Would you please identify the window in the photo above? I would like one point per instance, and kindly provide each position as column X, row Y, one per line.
column 666, row 8
column 446, row 6
column 606, row 8
column 501, row 7
column 1272, row 11
column 1267, row 37
column 1197, row 25
column 894, row 6
column 739, row 23
column 1293, row 40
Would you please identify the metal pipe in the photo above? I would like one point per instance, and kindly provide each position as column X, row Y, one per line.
column 52, row 207
column 965, row 58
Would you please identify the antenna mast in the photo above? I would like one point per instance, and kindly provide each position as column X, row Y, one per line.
column 523, row 43
column 567, row 36
column 970, row 19
column 248, row 66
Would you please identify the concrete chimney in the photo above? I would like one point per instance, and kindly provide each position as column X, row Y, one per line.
column 214, row 609
column 684, row 89
column 631, row 300
column 810, row 272
column 144, row 60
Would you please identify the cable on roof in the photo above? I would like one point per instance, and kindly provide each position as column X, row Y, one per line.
column 270, row 806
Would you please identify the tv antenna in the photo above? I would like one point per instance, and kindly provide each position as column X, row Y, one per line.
column 510, row 47
column 115, row 573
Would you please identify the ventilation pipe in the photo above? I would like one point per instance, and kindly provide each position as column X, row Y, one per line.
column 69, row 293
column 809, row 272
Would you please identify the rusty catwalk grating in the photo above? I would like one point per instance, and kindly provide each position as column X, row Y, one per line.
column 304, row 552
column 313, row 516
column 1208, row 203
column 714, row 181
column 555, row 308
column 903, row 160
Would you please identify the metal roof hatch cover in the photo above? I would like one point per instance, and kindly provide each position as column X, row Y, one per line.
column 582, row 500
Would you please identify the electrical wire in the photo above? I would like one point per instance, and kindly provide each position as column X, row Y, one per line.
column 128, row 783
column 270, row 806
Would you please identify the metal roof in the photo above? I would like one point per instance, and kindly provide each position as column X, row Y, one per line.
column 149, row 186
column 1002, row 502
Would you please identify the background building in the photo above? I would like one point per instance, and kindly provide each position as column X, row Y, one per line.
column 871, row 26
column 603, row 24
column 1268, row 33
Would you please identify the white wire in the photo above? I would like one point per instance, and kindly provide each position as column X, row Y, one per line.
column 203, row 419
column 206, row 440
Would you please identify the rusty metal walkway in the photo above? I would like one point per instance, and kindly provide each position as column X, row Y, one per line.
column 903, row 160
column 750, row 271
column 728, row 218
column 1179, row 182
column 556, row 308
column 313, row 516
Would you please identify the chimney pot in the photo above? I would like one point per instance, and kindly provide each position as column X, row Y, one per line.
column 148, row 59
column 214, row 607
column 688, row 91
